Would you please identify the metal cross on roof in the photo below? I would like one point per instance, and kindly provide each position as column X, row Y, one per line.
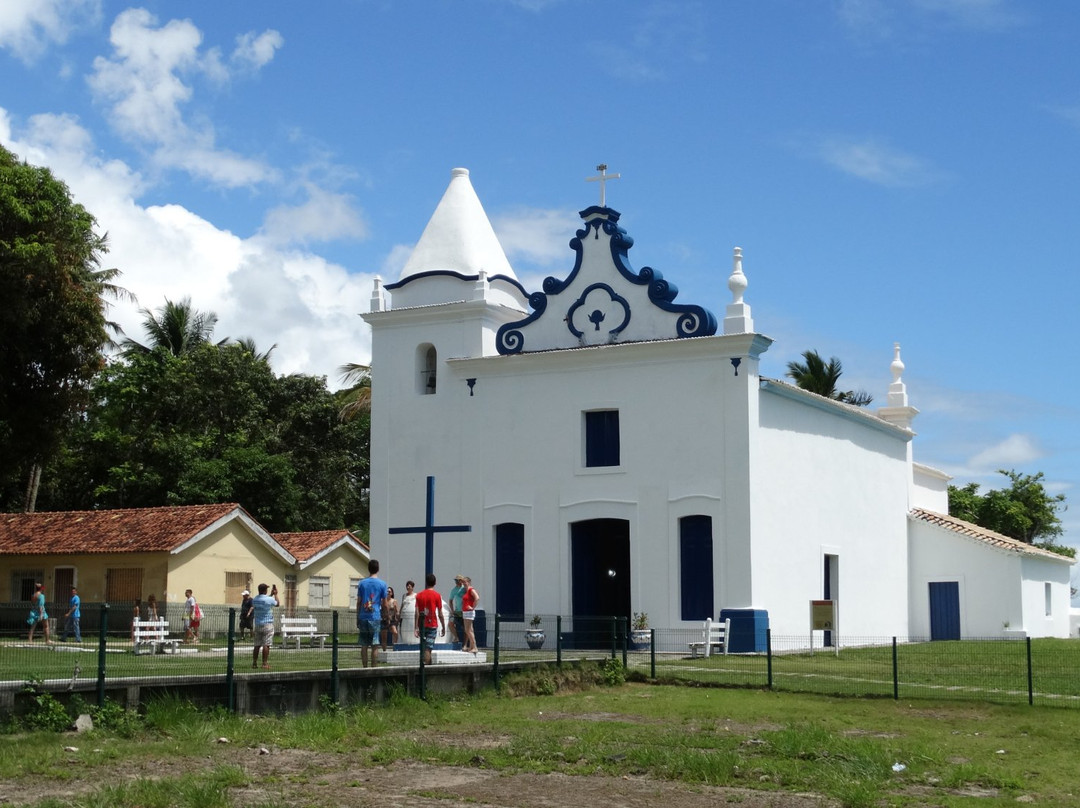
column 602, row 179
column 429, row 529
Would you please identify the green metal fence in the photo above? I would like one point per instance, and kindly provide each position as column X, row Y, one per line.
column 1035, row 671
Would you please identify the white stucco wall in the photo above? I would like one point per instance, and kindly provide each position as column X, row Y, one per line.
column 996, row 586
column 829, row 483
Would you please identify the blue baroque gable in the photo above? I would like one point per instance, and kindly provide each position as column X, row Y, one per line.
column 603, row 299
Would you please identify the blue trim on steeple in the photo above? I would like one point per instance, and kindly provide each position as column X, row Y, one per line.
column 450, row 273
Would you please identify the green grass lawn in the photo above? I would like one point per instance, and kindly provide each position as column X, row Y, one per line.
column 858, row 752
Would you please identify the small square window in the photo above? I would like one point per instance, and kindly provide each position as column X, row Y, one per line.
column 601, row 438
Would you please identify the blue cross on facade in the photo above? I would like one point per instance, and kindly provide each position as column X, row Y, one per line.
column 429, row 529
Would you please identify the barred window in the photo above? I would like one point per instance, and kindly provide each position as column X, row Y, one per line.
column 319, row 592
column 123, row 584
column 235, row 583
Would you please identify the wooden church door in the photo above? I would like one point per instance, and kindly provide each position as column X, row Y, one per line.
column 600, row 571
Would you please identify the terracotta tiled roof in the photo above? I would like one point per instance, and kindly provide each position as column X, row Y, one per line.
column 954, row 525
column 311, row 543
column 131, row 530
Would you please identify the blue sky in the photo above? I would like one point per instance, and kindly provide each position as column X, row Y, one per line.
column 904, row 171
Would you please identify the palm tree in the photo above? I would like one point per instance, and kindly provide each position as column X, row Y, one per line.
column 357, row 398
column 248, row 344
column 176, row 327
column 816, row 375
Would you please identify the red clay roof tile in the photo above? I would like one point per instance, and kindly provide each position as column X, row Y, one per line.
column 305, row 545
column 130, row 530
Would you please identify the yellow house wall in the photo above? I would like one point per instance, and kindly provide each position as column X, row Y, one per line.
column 89, row 573
column 339, row 566
column 232, row 548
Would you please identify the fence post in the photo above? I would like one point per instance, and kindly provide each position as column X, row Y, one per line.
column 1031, row 680
column 614, row 635
column 334, row 657
column 495, row 654
column 652, row 653
column 768, row 654
column 624, row 631
column 558, row 640
column 103, row 630
column 895, row 673
column 230, row 664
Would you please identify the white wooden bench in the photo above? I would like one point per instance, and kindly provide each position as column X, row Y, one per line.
column 299, row 628
column 152, row 636
column 713, row 638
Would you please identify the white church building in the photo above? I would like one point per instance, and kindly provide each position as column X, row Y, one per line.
column 600, row 447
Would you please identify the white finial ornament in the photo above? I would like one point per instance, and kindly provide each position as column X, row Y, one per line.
column 602, row 179
column 378, row 302
column 737, row 319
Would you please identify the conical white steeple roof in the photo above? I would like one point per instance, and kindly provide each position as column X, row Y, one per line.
column 459, row 237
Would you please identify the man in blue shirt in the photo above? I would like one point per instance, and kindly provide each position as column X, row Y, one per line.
column 371, row 595
column 263, row 605
column 71, row 625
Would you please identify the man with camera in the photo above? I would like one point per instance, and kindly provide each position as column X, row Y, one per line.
column 263, row 605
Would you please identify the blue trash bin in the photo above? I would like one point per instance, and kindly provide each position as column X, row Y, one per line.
column 748, row 629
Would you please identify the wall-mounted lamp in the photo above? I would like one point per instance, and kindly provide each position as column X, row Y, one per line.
column 472, row 384
column 735, row 362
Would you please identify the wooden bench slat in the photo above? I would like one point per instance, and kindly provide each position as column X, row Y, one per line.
column 713, row 636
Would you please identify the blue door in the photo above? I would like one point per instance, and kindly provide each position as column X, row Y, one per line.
column 944, row 610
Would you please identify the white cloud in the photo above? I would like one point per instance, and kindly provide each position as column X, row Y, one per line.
column 294, row 298
column 873, row 161
column 878, row 20
column 540, row 236
column 255, row 50
column 1015, row 451
column 144, row 84
column 27, row 27
column 325, row 216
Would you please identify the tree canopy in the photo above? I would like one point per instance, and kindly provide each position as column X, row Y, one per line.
column 1024, row 511
column 53, row 325
column 815, row 375
column 214, row 424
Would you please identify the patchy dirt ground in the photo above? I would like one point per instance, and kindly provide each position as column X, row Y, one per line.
column 301, row 778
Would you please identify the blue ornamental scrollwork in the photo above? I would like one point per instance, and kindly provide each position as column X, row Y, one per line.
column 509, row 339
column 597, row 316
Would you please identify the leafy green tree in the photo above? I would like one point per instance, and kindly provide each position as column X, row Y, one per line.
column 1024, row 511
column 816, row 375
column 53, row 324
column 215, row 424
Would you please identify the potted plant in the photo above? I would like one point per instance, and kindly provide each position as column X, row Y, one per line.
column 534, row 635
column 640, row 634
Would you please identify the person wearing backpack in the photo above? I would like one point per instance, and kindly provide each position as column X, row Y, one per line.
column 468, row 615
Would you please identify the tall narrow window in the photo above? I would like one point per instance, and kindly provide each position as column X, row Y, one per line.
column 601, row 438
column 353, row 584
column 1048, row 593
column 290, row 596
column 510, row 569
column 696, row 567
column 427, row 360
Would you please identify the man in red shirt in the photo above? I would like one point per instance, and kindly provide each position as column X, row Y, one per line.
column 429, row 616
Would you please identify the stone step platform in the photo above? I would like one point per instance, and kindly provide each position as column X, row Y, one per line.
column 438, row 657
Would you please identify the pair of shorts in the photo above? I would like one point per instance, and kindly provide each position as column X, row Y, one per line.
column 430, row 634
column 264, row 635
column 469, row 615
column 369, row 630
